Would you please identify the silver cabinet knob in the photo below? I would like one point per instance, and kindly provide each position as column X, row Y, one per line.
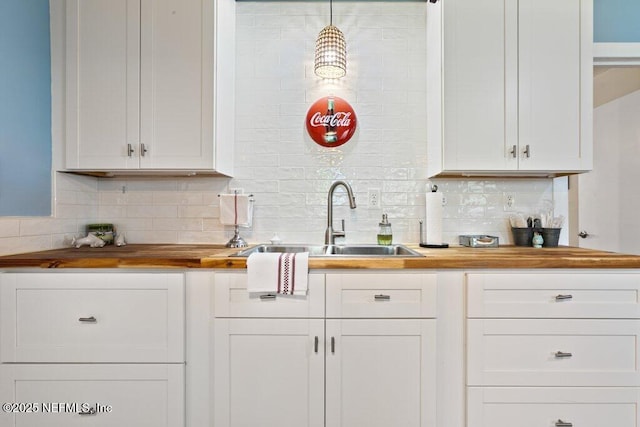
column 583, row 234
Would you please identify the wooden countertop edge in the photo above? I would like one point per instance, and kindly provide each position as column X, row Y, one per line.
column 211, row 257
column 335, row 264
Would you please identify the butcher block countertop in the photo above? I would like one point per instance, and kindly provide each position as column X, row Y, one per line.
column 217, row 256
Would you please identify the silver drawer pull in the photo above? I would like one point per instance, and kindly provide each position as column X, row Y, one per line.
column 561, row 423
column 333, row 345
column 381, row 297
column 563, row 297
column 90, row 411
column 88, row 319
column 315, row 344
column 268, row 296
column 562, row 354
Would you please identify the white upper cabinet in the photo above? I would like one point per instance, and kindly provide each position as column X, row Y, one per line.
column 509, row 87
column 141, row 85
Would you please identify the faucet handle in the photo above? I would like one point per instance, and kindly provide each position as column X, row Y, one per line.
column 341, row 232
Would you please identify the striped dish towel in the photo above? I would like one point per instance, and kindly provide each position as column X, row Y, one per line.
column 283, row 273
column 236, row 209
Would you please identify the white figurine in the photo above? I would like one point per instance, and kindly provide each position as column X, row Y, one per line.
column 91, row 240
column 120, row 240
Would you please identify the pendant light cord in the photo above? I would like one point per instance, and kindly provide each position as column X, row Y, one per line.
column 330, row 12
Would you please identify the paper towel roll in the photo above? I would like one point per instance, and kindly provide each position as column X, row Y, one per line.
column 433, row 218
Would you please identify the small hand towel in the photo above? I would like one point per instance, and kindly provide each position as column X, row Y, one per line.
column 283, row 273
column 235, row 209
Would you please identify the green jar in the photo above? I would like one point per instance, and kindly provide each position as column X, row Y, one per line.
column 102, row 231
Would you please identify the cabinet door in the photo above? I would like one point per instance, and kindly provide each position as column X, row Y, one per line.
column 555, row 84
column 480, row 84
column 549, row 407
column 120, row 395
column 177, row 84
column 380, row 373
column 511, row 92
column 269, row 372
column 102, row 83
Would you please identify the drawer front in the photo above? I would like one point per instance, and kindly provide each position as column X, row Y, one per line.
column 120, row 395
column 554, row 295
column 233, row 300
column 381, row 295
column 92, row 317
column 553, row 352
column 553, row 407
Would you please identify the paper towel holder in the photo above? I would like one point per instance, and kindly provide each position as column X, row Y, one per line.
column 428, row 245
column 434, row 189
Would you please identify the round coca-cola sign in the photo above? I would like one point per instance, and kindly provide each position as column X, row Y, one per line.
column 331, row 121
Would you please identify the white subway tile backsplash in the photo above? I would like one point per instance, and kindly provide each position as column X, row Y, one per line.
column 197, row 212
column 113, row 211
column 153, row 236
column 182, row 224
column 152, row 211
column 9, row 227
column 36, row 226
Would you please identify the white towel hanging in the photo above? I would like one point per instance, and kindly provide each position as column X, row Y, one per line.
column 236, row 209
column 283, row 273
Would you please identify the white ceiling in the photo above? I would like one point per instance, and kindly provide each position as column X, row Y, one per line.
column 611, row 83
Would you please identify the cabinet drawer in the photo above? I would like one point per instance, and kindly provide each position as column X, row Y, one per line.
column 233, row 300
column 553, row 352
column 381, row 295
column 554, row 295
column 92, row 317
column 551, row 407
column 121, row 395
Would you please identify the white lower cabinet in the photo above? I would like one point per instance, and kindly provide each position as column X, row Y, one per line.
column 553, row 352
column 553, row 348
column 318, row 371
column 380, row 373
column 553, row 407
column 63, row 395
column 73, row 345
column 269, row 372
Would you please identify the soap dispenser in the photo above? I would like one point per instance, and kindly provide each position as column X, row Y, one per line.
column 385, row 236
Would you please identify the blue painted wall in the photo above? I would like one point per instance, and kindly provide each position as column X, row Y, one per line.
column 25, row 108
column 616, row 21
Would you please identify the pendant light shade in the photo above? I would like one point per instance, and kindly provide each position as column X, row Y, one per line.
column 331, row 52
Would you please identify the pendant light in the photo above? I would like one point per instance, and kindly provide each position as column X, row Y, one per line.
column 331, row 51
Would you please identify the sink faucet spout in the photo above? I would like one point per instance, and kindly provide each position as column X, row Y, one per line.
column 330, row 234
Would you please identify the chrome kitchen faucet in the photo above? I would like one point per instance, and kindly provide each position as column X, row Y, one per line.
column 330, row 234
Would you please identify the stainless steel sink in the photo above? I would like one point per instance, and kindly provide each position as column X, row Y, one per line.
column 335, row 250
